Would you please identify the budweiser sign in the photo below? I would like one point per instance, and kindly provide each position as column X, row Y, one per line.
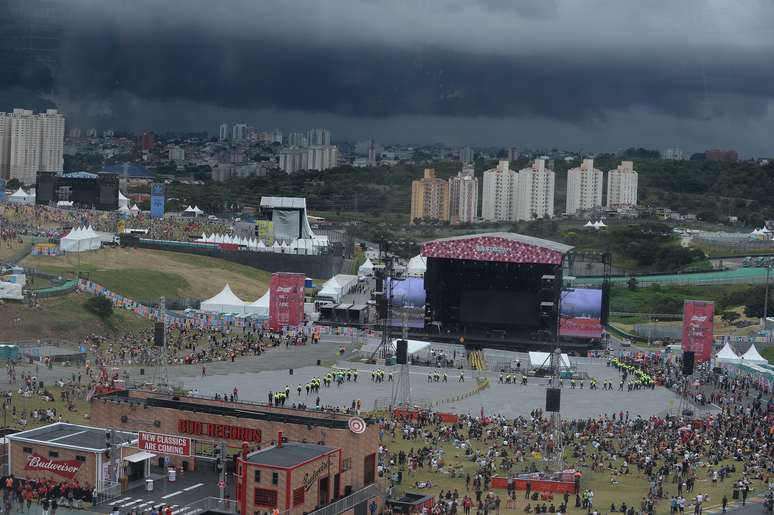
column 65, row 468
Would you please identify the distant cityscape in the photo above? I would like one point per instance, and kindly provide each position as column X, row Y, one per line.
column 32, row 143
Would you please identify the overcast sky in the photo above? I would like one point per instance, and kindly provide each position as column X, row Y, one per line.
column 573, row 74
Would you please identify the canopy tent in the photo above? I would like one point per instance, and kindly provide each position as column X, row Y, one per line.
column 543, row 360
column 197, row 211
column 188, row 210
column 224, row 302
column 589, row 224
column 21, row 197
column 752, row 356
column 135, row 210
column 727, row 355
column 337, row 286
column 417, row 266
column 260, row 307
column 80, row 239
column 123, row 201
column 366, row 269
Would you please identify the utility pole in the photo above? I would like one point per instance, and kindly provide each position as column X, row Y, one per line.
column 221, row 470
column 766, row 298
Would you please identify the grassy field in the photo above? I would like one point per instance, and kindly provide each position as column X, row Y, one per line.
column 144, row 274
column 78, row 415
column 16, row 250
column 628, row 488
column 62, row 318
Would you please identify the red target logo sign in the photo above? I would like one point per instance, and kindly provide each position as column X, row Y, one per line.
column 357, row 425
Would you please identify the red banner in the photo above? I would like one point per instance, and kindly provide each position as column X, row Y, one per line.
column 164, row 444
column 286, row 300
column 64, row 468
column 698, row 329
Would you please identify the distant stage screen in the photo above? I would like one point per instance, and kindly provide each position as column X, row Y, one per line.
column 499, row 307
column 408, row 301
column 581, row 313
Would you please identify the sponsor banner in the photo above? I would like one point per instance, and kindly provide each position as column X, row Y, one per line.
column 698, row 326
column 157, row 200
column 286, row 300
column 64, row 468
column 225, row 431
column 490, row 248
column 164, row 444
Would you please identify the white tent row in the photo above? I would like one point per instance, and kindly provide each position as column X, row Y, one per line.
column 226, row 302
column 599, row 224
column 752, row 356
column 300, row 246
column 195, row 211
column 80, row 239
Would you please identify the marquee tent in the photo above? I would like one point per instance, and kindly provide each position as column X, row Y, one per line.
column 366, row 269
column 21, row 197
column 260, row 307
column 197, row 211
column 417, row 266
column 337, row 286
column 135, row 210
column 543, row 360
column 224, row 302
column 727, row 355
column 752, row 356
column 123, row 201
column 80, row 239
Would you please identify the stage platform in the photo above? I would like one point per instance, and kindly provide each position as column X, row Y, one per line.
column 512, row 343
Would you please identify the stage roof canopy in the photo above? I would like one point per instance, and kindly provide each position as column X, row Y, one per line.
column 497, row 246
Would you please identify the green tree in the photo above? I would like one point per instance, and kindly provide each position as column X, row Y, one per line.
column 100, row 306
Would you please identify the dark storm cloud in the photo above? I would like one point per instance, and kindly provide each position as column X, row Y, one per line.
column 563, row 60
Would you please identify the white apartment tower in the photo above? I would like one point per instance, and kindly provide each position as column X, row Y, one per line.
column 30, row 143
column 584, row 187
column 535, row 192
column 318, row 137
column 498, row 202
column 622, row 185
column 223, row 132
column 463, row 196
column 239, row 132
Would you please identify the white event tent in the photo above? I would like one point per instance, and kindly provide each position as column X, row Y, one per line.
column 752, row 356
column 21, row 197
column 260, row 307
column 224, row 302
column 543, row 360
column 366, row 269
column 123, row 201
column 727, row 355
column 80, row 239
column 417, row 266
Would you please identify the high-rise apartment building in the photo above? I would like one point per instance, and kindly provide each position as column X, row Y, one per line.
column 535, row 192
column 622, row 185
column 467, row 155
column 513, row 154
column 291, row 160
column 223, row 133
column 498, row 201
column 463, row 196
column 323, row 157
column 296, row 139
column 372, row 154
column 318, row 137
column 584, row 187
column 30, row 143
column 429, row 198
column 239, row 132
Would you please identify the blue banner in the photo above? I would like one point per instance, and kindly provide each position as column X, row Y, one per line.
column 157, row 201
column 2, row 190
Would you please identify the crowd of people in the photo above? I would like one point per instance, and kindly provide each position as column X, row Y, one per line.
column 21, row 493
column 683, row 462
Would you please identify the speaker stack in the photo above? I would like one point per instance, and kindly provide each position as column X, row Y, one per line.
column 401, row 352
column 553, row 396
column 158, row 334
column 688, row 360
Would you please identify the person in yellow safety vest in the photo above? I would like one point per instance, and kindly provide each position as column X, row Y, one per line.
column 572, row 383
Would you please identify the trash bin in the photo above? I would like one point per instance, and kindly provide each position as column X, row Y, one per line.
column 171, row 474
column 148, row 485
column 142, row 371
column 735, row 494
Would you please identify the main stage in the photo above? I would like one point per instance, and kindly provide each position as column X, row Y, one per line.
column 505, row 290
